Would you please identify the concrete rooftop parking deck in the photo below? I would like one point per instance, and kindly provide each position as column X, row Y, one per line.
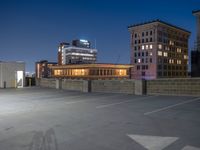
column 49, row 119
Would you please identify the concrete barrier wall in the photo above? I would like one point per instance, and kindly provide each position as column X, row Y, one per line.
column 183, row 86
column 74, row 85
column 50, row 83
column 113, row 86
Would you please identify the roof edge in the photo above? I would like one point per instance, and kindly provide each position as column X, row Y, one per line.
column 160, row 21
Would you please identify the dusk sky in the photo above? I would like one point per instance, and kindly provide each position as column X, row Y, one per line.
column 31, row 30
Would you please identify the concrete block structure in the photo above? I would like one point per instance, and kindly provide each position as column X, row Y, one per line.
column 158, row 50
column 12, row 74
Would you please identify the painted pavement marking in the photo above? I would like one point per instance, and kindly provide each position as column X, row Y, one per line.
column 190, row 148
column 153, row 142
column 133, row 100
column 172, row 106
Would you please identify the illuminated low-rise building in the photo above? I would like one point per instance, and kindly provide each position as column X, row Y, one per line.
column 91, row 71
column 79, row 52
column 158, row 50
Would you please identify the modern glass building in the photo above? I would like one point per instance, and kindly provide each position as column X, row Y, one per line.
column 79, row 52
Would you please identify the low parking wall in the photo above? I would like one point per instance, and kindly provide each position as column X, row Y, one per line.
column 175, row 86
column 113, row 86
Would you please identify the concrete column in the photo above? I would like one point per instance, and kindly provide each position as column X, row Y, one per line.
column 86, row 86
column 140, row 87
column 58, row 84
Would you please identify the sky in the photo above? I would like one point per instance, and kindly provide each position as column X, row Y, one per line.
column 31, row 30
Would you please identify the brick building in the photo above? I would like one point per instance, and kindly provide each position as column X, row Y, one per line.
column 158, row 50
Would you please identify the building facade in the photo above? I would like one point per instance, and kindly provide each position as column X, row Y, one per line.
column 12, row 74
column 42, row 68
column 158, row 50
column 91, row 71
column 79, row 52
column 195, row 54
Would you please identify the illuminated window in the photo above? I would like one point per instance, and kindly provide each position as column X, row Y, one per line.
column 147, row 46
column 121, row 72
column 165, row 54
column 179, row 62
column 142, row 47
column 159, row 46
column 171, row 43
column 57, row 72
column 151, row 46
column 185, row 56
column 166, row 48
column 159, row 53
column 150, row 53
column 178, row 50
column 171, row 61
column 139, row 60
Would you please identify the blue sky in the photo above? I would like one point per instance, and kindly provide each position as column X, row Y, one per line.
column 30, row 30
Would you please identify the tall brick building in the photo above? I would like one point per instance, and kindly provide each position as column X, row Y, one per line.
column 158, row 50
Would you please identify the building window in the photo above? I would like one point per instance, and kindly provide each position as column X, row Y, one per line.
column 142, row 40
column 139, row 41
column 150, row 60
column 135, row 54
column 143, row 67
column 171, row 43
column 138, row 67
column 139, row 54
column 151, row 46
column 135, row 48
column 139, row 60
column 171, row 61
column 147, row 67
column 142, row 53
column 143, row 73
column 146, row 60
column 135, row 35
column 179, row 62
column 142, row 47
column 185, row 57
column 135, row 41
column 159, row 53
column 146, row 39
column 178, row 50
column 165, row 54
column 142, row 60
column 142, row 33
column 147, row 33
column 147, row 53
column 159, row 46
column 150, row 53
column 147, row 46
column 135, row 60
column 151, row 32
column 151, row 39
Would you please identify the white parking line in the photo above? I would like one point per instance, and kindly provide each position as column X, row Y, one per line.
column 171, row 106
column 112, row 104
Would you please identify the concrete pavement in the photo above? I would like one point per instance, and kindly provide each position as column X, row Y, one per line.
column 49, row 119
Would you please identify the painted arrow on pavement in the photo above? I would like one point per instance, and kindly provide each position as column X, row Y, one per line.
column 153, row 142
